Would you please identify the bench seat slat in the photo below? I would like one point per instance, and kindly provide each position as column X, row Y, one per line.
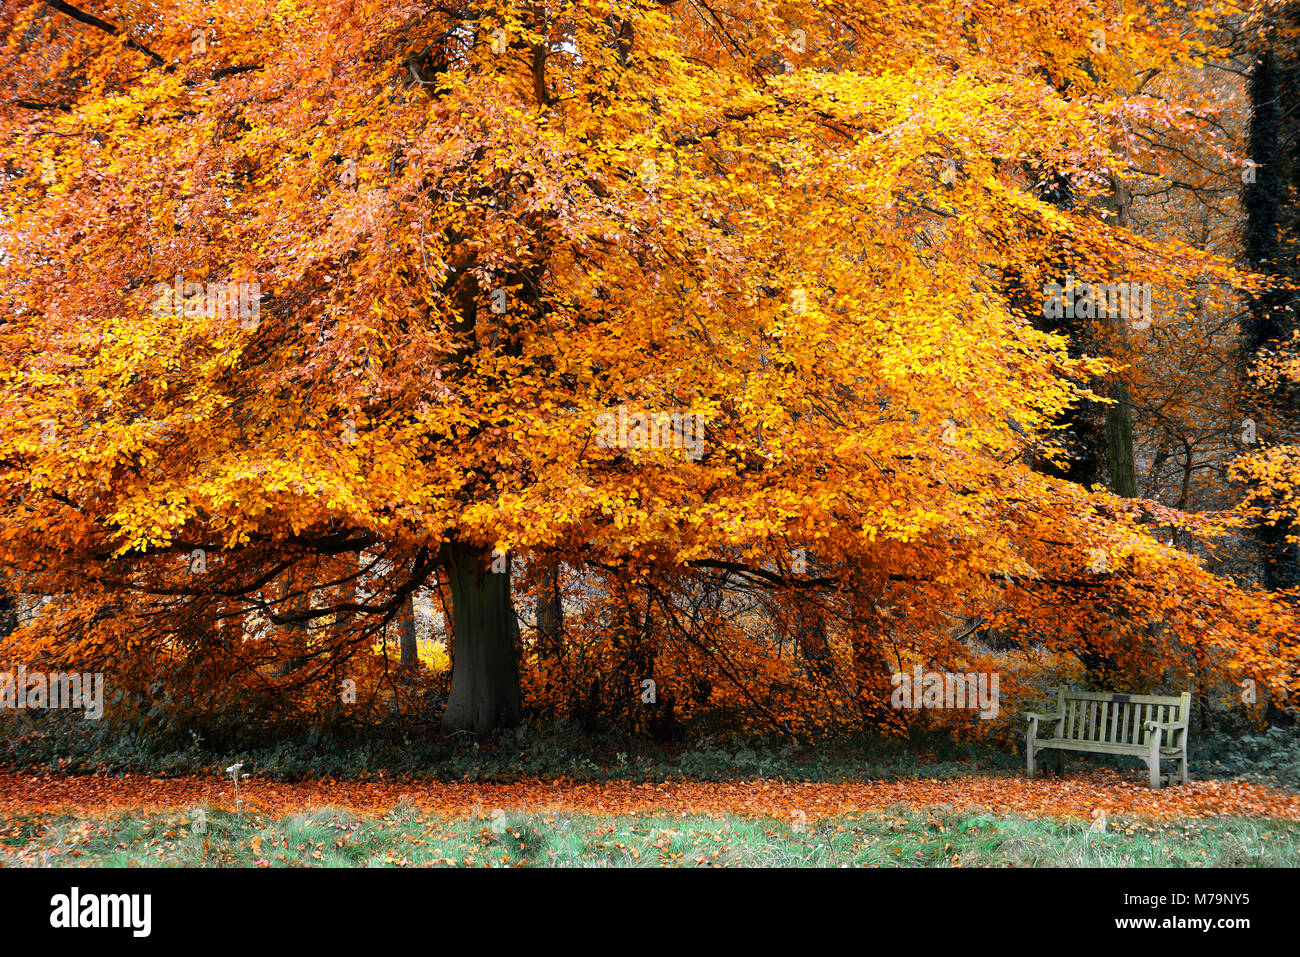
column 1060, row 744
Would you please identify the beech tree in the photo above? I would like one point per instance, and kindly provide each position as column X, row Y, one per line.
column 310, row 305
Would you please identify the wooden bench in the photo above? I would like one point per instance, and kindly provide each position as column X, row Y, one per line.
column 1145, row 726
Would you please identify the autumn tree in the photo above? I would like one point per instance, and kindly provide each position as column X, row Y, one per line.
column 308, row 306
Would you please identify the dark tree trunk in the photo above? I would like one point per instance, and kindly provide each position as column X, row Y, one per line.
column 1119, row 443
column 550, row 616
column 8, row 613
column 485, row 662
column 1272, row 245
column 406, row 635
column 1082, row 431
column 812, row 639
column 296, row 600
column 1119, row 417
column 636, row 662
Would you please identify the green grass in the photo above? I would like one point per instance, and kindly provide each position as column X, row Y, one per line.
column 407, row 837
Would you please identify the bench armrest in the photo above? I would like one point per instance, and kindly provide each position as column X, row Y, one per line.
column 1031, row 733
column 1166, row 726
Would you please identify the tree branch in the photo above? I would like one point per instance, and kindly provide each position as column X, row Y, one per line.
column 94, row 21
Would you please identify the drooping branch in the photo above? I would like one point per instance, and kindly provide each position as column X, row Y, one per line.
column 91, row 20
column 36, row 105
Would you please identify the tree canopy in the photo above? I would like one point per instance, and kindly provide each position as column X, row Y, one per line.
column 310, row 305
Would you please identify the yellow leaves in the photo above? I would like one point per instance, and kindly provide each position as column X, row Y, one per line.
column 825, row 343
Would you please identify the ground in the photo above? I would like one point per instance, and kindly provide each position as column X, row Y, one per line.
column 1096, row 818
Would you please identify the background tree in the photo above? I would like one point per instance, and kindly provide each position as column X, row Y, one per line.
column 1272, row 246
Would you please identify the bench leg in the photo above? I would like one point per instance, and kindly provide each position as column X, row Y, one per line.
column 1153, row 764
column 1032, row 756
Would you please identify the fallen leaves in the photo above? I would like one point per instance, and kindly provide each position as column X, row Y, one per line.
column 1092, row 795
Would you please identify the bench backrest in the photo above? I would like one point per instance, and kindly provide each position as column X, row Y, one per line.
column 1110, row 718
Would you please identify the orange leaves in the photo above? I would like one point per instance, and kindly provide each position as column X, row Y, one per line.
column 469, row 251
column 1091, row 796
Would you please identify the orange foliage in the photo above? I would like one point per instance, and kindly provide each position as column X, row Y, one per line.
column 472, row 240
column 1079, row 795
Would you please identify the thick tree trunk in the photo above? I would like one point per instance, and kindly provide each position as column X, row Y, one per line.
column 485, row 663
